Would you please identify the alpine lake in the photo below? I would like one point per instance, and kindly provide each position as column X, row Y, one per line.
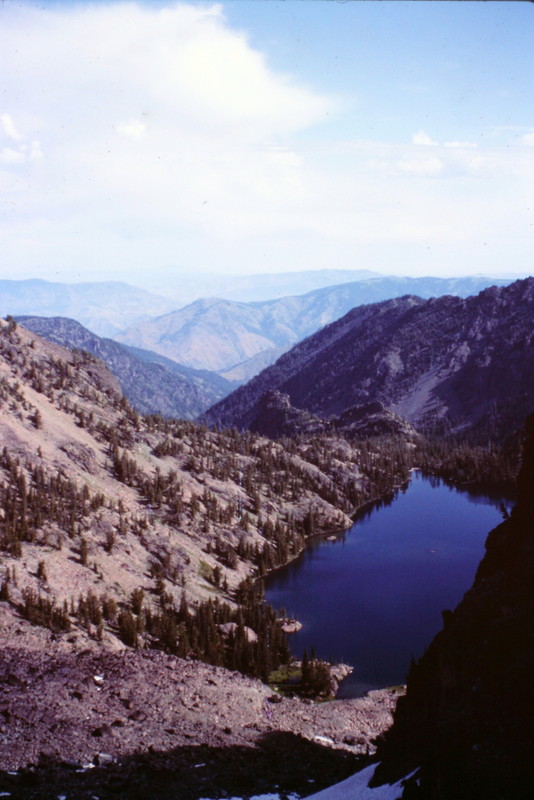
column 372, row 596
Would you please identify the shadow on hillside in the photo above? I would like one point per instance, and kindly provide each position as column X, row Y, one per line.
column 282, row 762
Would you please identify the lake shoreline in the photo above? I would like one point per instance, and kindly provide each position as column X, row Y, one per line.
column 442, row 555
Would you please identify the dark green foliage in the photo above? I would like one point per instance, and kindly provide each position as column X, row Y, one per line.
column 315, row 677
column 4, row 588
column 136, row 601
column 127, row 629
column 199, row 634
column 30, row 498
column 84, row 551
column 41, row 610
column 462, row 463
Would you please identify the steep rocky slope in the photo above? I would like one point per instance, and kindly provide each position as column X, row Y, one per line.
column 239, row 339
column 105, row 307
column 445, row 363
column 152, row 384
column 81, row 722
column 466, row 723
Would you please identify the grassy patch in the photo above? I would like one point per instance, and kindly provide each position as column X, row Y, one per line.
column 286, row 680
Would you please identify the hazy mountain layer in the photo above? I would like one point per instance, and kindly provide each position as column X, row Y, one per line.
column 448, row 363
column 105, row 308
column 152, row 384
column 186, row 288
column 239, row 339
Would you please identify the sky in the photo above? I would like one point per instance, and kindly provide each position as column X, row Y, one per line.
column 257, row 136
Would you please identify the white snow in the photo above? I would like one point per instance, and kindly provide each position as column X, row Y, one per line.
column 270, row 796
column 356, row 788
column 323, row 739
column 353, row 788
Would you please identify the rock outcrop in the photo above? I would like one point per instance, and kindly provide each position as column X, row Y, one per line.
column 276, row 418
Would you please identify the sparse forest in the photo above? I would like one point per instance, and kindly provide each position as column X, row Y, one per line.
column 246, row 502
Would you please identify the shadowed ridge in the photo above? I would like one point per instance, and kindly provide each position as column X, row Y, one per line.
column 466, row 720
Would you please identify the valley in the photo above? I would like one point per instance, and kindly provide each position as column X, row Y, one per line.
column 239, row 339
column 134, row 543
column 152, row 384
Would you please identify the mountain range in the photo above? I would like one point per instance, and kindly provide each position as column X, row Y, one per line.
column 105, row 307
column 186, row 287
column 239, row 339
column 152, row 383
column 447, row 364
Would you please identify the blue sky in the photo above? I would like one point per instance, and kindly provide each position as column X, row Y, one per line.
column 256, row 136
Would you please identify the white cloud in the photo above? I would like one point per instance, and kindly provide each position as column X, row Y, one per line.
column 421, row 166
column 133, row 129
column 528, row 139
column 35, row 150
column 19, row 151
column 422, row 138
column 10, row 156
column 461, row 144
column 9, row 127
column 169, row 139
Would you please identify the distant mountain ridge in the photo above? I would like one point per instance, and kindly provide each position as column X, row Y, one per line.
column 238, row 339
column 445, row 363
column 105, row 307
column 152, row 384
column 186, row 288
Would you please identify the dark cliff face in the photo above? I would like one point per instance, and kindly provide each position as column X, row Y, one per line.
column 444, row 363
column 467, row 720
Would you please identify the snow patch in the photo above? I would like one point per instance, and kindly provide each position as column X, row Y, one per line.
column 356, row 788
column 269, row 796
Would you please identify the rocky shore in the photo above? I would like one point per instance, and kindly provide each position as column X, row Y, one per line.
column 80, row 722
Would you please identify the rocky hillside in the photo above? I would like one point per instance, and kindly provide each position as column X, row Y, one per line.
column 151, row 383
column 239, row 339
column 126, row 497
column 445, row 364
column 466, row 723
column 127, row 546
column 108, row 500
column 105, row 307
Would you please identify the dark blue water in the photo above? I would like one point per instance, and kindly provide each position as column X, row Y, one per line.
column 373, row 599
